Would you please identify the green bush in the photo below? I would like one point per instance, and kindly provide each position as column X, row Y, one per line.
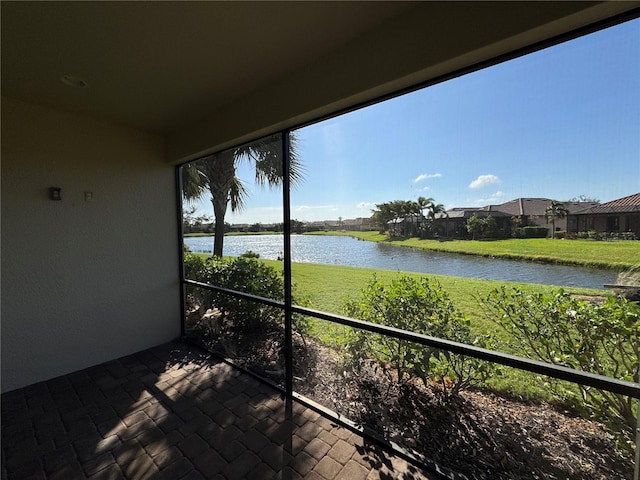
column 420, row 306
column 593, row 235
column 247, row 275
column 562, row 330
column 535, row 232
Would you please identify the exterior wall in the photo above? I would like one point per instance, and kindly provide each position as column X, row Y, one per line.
column 627, row 222
column 83, row 282
column 631, row 224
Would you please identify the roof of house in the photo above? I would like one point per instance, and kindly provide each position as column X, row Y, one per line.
column 536, row 206
column 464, row 212
column 630, row 203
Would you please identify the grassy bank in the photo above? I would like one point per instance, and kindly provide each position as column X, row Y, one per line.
column 607, row 255
column 232, row 234
column 327, row 287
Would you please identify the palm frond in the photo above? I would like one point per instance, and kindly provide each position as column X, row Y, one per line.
column 237, row 195
column 193, row 182
column 267, row 157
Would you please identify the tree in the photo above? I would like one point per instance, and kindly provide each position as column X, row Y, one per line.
column 553, row 211
column 188, row 218
column 392, row 211
column 433, row 210
column 428, row 209
column 216, row 175
column 584, row 198
column 423, row 204
column 382, row 215
column 475, row 226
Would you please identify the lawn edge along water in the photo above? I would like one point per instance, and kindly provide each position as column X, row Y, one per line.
column 586, row 253
column 327, row 287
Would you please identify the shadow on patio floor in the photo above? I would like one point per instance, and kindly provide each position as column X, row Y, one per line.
column 176, row 412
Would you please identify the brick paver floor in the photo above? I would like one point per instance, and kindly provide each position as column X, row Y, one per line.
column 174, row 412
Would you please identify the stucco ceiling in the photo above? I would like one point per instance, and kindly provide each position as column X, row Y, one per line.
column 158, row 65
column 162, row 67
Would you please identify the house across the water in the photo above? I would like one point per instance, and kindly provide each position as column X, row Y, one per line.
column 617, row 216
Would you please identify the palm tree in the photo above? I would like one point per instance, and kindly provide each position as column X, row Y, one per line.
column 382, row 215
column 553, row 211
column 432, row 209
column 216, row 175
column 423, row 203
column 435, row 209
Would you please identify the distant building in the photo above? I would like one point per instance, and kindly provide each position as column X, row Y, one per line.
column 617, row 216
column 521, row 212
column 532, row 211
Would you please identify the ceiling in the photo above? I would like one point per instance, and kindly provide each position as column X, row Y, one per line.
column 165, row 67
column 157, row 66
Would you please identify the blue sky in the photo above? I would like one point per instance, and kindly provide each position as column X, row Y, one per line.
column 558, row 123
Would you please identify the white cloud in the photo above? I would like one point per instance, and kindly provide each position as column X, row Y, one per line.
column 304, row 208
column 483, row 181
column 426, row 176
column 493, row 199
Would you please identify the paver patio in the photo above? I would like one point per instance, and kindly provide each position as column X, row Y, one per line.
column 176, row 412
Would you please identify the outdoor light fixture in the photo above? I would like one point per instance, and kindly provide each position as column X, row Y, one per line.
column 55, row 193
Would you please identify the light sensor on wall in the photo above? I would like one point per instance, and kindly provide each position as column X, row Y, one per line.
column 55, row 193
column 75, row 82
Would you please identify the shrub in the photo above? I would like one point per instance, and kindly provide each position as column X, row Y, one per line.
column 247, row 275
column 419, row 306
column 593, row 235
column 535, row 232
column 559, row 329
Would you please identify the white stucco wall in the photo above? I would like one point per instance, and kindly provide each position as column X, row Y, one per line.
column 83, row 282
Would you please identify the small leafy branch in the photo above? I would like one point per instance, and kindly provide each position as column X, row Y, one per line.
column 245, row 274
column 421, row 306
column 562, row 330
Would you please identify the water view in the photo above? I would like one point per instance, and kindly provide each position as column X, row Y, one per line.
column 351, row 252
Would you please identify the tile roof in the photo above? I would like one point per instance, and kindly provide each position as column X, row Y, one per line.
column 535, row 206
column 538, row 206
column 630, row 203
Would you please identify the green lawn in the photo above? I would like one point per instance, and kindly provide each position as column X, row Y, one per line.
column 616, row 255
column 327, row 287
column 232, row 234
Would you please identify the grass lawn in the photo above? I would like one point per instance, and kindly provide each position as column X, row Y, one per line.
column 232, row 234
column 616, row 255
column 327, row 287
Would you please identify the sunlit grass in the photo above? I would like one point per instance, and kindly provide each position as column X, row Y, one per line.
column 328, row 287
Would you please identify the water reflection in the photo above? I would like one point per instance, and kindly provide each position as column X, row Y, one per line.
column 349, row 251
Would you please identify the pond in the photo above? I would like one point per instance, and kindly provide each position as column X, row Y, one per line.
column 348, row 251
